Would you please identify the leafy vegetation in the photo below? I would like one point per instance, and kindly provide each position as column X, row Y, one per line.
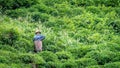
column 79, row 33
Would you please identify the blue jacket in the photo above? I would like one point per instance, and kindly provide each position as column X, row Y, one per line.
column 38, row 37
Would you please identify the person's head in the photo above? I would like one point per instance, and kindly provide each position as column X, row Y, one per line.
column 37, row 32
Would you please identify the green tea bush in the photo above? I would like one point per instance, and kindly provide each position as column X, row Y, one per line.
column 116, row 40
column 93, row 9
column 55, row 23
column 95, row 38
column 48, row 56
column 8, row 56
column 3, row 65
column 63, row 9
column 38, row 16
column 51, row 65
column 95, row 66
column 8, row 48
column 43, row 8
column 115, row 47
column 102, row 56
column 26, row 58
column 77, row 11
column 40, row 7
column 63, row 55
column 53, row 48
column 31, row 58
column 51, row 3
column 4, row 59
column 14, row 4
column 115, row 25
column 79, row 52
column 14, row 65
column 112, row 65
column 17, row 13
column 84, row 62
column 116, row 58
column 47, row 44
column 69, row 64
column 32, row 9
column 8, row 35
column 117, row 10
column 82, row 36
column 24, row 45
column 81, row 2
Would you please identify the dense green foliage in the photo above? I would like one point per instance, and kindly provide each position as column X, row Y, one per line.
column 79, row 33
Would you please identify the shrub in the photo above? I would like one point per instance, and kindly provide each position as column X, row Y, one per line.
column 64, row 55
column 8, row 35
column 55, row 23
column 93, row 9
column 53, row 48
column 8, row 56
column 24, row 45
column 79, row 52
column 113, row 46
column 14, row 65
column 4, row 59
column 115, row 25
column 69, row 64
column 101, row 57
column 116, row 58
column 17, row 13
column 43, row 8
column 37, row 16
column 13, row 4
column 51, row 65
column 25, row 58
column 84, row 62
column 31, row 58
column 8, row 48
column 95, row 66
column 48, row 56
column 112, row 65
column 77, row 11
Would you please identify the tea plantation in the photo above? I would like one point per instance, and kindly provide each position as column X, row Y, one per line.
column 78, row 33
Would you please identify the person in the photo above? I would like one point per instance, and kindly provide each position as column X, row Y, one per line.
column 38, row 41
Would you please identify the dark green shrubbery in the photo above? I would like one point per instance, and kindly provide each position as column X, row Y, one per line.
column 79, row 52
column 7, row 56
column 93, row 9
column 102, row 56
column 51, row 65
column 53, row 48
column 48, row 56
column 84, row 62
column 64, row 56
column 24, row 45
column 4, row 59
column 17, row 13
column 15, row 65
column 112, row 65
column 115, row 25
column 8, row 48
column 112, row 3
column 31, row 58
column 95, row 66
column 13, row 4
column 69, row 64
column 8, row 35
column 38, row 16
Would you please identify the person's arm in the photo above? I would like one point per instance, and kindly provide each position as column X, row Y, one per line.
column 42, row 37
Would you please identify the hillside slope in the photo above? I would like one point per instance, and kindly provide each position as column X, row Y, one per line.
column 79, row 34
